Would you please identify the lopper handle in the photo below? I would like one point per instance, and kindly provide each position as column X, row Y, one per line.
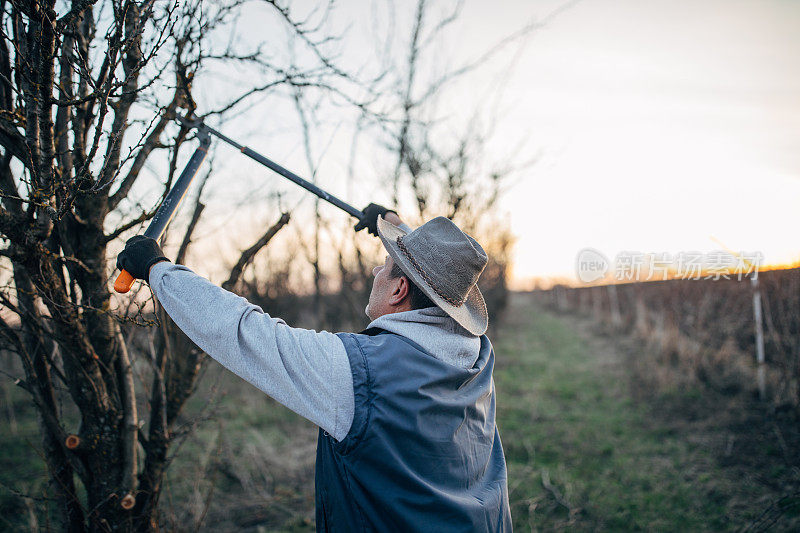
column 123, row 282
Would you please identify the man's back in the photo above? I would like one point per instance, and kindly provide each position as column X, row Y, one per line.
column 423, row 453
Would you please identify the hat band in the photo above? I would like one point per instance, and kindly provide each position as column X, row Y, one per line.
column 418, row 268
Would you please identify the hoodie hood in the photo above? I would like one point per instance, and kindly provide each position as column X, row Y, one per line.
column 436, row 332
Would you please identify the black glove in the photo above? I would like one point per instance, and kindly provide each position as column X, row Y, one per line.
column 139, row 255
column 369, row 218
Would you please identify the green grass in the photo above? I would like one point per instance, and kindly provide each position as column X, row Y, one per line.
column 258, row 455
column 583, row 453
column 22, row 467
column 564, row 411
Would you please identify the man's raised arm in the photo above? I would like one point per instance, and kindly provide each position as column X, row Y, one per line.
column 305, row 370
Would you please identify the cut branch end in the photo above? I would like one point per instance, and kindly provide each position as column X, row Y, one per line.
column 128, row 501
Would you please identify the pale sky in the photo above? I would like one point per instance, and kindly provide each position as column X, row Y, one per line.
column 661, row 125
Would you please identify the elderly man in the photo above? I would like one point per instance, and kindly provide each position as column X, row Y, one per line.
column 406, row 408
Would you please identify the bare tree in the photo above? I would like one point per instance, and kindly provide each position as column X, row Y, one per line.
column 88, row 94
column 454, row 178
column 438, row 166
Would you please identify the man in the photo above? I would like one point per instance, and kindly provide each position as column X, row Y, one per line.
column 406, row 408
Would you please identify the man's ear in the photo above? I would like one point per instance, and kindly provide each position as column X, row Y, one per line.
column 400, row 291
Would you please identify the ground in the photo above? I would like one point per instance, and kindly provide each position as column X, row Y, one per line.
column 591, row 444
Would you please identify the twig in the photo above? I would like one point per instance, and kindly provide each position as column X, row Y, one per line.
column 777, row 509
column 198, row 210
column 549, row 487
column 247, row 255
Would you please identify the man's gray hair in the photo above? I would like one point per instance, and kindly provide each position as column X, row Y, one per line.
column 419, row 300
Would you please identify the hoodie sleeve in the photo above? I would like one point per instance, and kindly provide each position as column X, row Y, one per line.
column 305, row 370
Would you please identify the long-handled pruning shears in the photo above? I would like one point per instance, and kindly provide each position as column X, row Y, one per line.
column 170, row 205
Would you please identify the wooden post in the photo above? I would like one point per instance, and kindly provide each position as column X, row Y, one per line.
column 659, row 329
column 613, row 302
column 559, row 293
column 762, row 385
column 563, row 303
column 597, row 303
column 641, row 313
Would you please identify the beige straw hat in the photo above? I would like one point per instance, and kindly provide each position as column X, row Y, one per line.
column 445, row 263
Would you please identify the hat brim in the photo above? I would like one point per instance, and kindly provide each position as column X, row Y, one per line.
column 471, row 315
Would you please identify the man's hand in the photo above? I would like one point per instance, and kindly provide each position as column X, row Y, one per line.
column 369, row 218
column 139, row 255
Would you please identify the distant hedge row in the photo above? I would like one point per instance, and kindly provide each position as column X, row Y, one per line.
column 706, row 326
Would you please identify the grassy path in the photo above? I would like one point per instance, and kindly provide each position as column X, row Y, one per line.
column 582, row 454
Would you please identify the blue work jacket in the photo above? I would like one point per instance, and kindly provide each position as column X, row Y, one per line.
column 423, row 452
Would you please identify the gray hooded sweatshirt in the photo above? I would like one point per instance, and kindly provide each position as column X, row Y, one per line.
column 307, row 371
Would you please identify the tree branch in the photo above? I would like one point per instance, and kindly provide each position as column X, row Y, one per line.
column 130, row 224
column 130, row 420
column 198, row 210
column 152, row 142
column 131, row 65
column 247, row 255
column 11, row 139
column 78, row 6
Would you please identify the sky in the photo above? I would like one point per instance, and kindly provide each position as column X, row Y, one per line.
column 664, row 126
column 657, row 127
